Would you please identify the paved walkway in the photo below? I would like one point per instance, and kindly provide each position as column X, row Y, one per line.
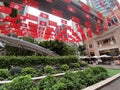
column 115, row 85
column 108, row 66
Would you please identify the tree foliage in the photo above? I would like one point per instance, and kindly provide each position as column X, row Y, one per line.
column 82, row 49
column 59, row 47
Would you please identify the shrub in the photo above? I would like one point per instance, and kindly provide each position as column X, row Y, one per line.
column 59, row 86
column 47, row 83
column 83, row 64
column 15, row 70
column 64, row 67
column 4, row 73
column 19, row 83
column 28, row 70
column 76, row 65
column 48, row 69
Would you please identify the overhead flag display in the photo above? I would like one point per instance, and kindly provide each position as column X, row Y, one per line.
column 16, row 6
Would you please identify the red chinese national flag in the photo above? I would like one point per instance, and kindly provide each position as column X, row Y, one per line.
column 49, row 1
column 21, row 17
column 11, row 19
column 43, row 23
column 16, row 6
column 34, row 4
column 44, row 15
column 70, row 8
column 75, row 19
column 87, row 23
column 63, row 21
column 57, row 12
column 6, row 10
column 52, row 23
column 31, row 17
column 108, row 20
column 85, row 7
column 99, row 15
column 68, row 1
column 32, row 24
column 26, row 1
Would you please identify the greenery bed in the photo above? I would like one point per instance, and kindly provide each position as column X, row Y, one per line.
column 70, row 81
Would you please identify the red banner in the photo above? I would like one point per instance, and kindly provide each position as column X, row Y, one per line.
column 57, row 12
column 31, row 17
column 6, row 10
column 16, row 6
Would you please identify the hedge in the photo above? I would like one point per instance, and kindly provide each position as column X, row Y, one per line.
column 7, row 61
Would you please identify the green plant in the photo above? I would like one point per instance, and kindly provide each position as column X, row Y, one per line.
column 48, row 69
column 59, row 86
column 47, row 83
column 83, row 64
column 64, row 67
column 76, row 65
column 4, row 73
column 28, row 70
column 19, row 83
column 15, row 70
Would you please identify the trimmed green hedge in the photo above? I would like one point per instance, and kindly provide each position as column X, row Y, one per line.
column 7, row 61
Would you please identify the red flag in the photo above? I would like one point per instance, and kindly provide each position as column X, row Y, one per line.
column 21, row 17
column 63, row 21
column 70, row 8
column 49, row 1
column 112, row 12
column 32, row 24
column 68, row 1
column 99, row 15
column 52, row 23
column 16, row 6
column 75, row 19
column 11, row 19
column 1, row 19
column 89, row 32
column 88, row 24
column 6, row 10
column 105, row 26
column 85, row 7
column 43, row 23
column 101, row 3
column 97, row 27
column 31, row 17
column 44, row 15
column 23, row 24
column 57, row 12
column 108, row 20
column 34, row 4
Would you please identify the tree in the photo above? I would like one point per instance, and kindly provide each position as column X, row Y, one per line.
column 82, row 49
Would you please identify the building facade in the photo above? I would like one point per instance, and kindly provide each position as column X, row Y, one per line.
column 107, row 42
column 95, row 4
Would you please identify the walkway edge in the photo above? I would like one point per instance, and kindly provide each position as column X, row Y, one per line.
column 102, row 83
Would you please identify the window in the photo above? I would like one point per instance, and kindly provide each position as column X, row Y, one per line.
column 113, row 21
column 90, row 45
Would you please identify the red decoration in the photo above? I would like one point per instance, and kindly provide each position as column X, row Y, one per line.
column 6, row 10
column 31, row 17
column 68, row 1
column 11, row 19
column 49, row 1
column 32, row 24
column 97, row 27
column 99, row 15
column 87, row 16
column 108, row 20
column 21, row 17
column 44, row 15
column 63, row 21
column 43, row 23
column 75, row 19
column 85, row 7
column 57, row 12
column 71, row 9
column 89, row 32
column 88, row 24
column 16, row 6
column 52, row 23
column 105, row 26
